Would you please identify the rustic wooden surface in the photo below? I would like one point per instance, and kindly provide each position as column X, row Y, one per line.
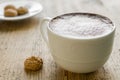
column 21, row 39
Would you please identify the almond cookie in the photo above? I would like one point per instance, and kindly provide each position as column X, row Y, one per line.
column 33, row 63
column 22, row 10
column 10, row 7
column 10, row 13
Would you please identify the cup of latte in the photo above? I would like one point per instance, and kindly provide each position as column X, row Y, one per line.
column 79, row 42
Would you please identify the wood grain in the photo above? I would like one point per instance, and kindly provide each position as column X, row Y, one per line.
column 21, row 39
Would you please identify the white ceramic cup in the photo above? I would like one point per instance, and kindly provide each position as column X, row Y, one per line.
column 78, row 55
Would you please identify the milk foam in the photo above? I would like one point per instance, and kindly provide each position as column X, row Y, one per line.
column 82, row 26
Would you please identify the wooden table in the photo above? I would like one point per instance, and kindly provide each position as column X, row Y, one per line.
column 21, row 39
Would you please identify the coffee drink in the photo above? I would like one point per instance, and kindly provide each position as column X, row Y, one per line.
column 79, row 42
column 81, row 25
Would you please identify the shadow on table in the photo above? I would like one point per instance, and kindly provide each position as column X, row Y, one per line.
column 101, row 74
column 60, row 74
column 6, row 26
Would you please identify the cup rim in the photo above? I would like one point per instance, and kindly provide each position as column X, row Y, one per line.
column 82, row 13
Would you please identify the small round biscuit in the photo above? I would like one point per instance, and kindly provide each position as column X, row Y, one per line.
column 22, row 10
column 10, row 7
column 10, row 13
column 33, row 63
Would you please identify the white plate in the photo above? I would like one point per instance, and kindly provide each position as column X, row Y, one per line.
column 33, row 7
